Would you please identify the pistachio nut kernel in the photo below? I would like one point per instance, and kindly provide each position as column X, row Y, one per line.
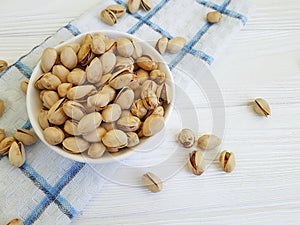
column 133, row 139
column 96, row 150
column 196, row 163
column 261, row 107
column 71, row 127
column 27, row 137
column 152, row 182
column 134, row 5
column 208, row 141
column 186, row 138
column 53, row 135
column 16, row 154
column 75, row 145
column 3, row 65
column 115, row 139
column 111, row 113
column 161, row 45
column 146, row 4
column 95, row 135
column 227, row 161
column 43, row 119
column 129, row 123
column 24, row 86
column 148, row 86
column 214, row 17
column 108, row 17
column 5, row 145
column 152, row 125
column 15, row 222
column 89, row 122
column 176, row 44
column 117, row 9
column 2, row 134
column 68, row 57
column 2, row 107
column 61, row 72
column 48, row 59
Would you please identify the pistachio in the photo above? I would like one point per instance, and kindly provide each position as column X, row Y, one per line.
column 110, row 91
column 56, row 113
column 125, row 47
column 126, row 113
column 27, row 137
column 75, row 145
column 81, row 92
column 49, row 98
column 186, row 138
column 142, row 76
column 89, row 122
column 3, row 65
column 208, row 141
column 162, row 44
column 108, row 61
column 15, row 222
column 152, row 182
column 146, row 63
column 98, row 45
column 110, row 45
column 164, row 93
column 158, row 76
column 68, row 57
column 124, row 64
column 95, row 135
column 48, row 59
column 108, row 17
column 96, row 150
column 74, row 46
column 112, row 150
column 77, row 76
column 85, row 54
column 129, row 123
column 63, row 89
column 101, row 35
column 148, row 85
column 5, row 145
column 125, row 98
column 133, row 139
column 227, row 161
column 261, row 107
column 24, row 86
column 109, row 126
column 74, row 110
column 94, row 71
column 115, row 139
column 159, row 111
column 53, row 135
column 146, row 4
column 71, row 127
column 121, row 80
column 196, row 163
column 2, row 134
column 176, row 44
column 134, row 83
column 98, row 101
column 134, row 5
column 43, row 119
column 50, row 81
column 104, row 80
column 16, row 154
column 138, row 109
column 150, row 100
column 117, row 9
column 111, row 113
column 2, row 107
column 214, row 17
column 152, row 125
column 137, row 49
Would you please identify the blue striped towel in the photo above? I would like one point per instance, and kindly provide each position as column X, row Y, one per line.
column 49, row 189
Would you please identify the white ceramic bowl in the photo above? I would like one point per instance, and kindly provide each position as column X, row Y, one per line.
column 34, row 103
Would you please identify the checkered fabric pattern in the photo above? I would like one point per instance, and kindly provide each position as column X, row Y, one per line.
column 49, row 189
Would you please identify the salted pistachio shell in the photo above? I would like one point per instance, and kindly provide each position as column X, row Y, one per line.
column 49, row 98
column 134, row 83
column 85, row 47
column 121, row 80
column 112, row 150
column 48, row 59
column 117, row 9
column 37, row 82
column 27, row 137
column 159, row 111
column 75, row 145
column 63, row 89
column 129, row 123
column 96, row 150
column 208, row 141
column 108, row 61
column 56, row 113
column 24, row 86
column 3, row 65
column 158, row 76
column 77, row 76
column 104, row 80
column 146, row 4
column 5, row 145
column 53, row 135
column 196, row 163
column 164, row 93
column 108, row 90
column 89, row 122
column 94, row 71
column 134, row 5
column 61, row 72
column 137, row 93
column 95, row 135
column 109, row 126
column 101, row 35
column 43, row 119
column 110, row 45
column 152, row 182
column 98, row 45
column 125, row 98
column 98, row 101
column 74, row 46
column 186, row 138
column 138, row 109
column 227, row 161
column 15, row 221
column 137, row 49
column 111, row 113
column 16, row 154
column 2, row 134
column 142, row 76
column 125, row 47
column 176, row 44
column 146, row 63
column 124, row 64
column 2, row 107
column 71, row 127
column 152, row 125
column 126, row 113
column 108, row 17
column 150, row 100
column 133, row 139
column 68, row 57
column 148, row 85
column 74, row 110
column 261, row 107
column 50, row 81
column 115, row 139
column 161, row 45
column 214, row 17
column 81, row 92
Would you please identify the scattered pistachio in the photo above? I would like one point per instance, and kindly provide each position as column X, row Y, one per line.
column 162, row 44
column 214, row 17
column 5, row 145
column 2, row 107
column 261, row 107
column 152, row 182
column 16, row 154
column 3, row 65
column 108, row 17
column 24, row 86
column 176, row 44
column 186, row 138
column 27, row 137
column 196, row 163
column 15, row 222
column 146, row 4
column 227, row 161
column 134, row 5
column 208, row 141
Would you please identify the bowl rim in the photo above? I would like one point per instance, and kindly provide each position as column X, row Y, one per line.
column 108, row 157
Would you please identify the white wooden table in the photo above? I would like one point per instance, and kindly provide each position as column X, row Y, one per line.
column 262, row 61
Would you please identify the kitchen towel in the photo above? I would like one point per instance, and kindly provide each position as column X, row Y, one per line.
column 49, row 189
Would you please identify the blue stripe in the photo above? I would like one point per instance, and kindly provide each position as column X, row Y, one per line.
column 74, row 30
column 25, row 70
column 224, row 5
column 147, row 17
column 236, row 15
column 27, row 125
column 202, row 55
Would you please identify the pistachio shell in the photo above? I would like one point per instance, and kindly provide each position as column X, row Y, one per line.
column 89, row 122
column 124, row 47
column 227, row 161
column 108, row 61
column 49, row 98
column 77, row 76
column 53, row 135
column 158, row 76
column 111, row 113
column 146, row 4
column 138, row 109
column 61, row 72
column 125, row 98
column 48, row 59
column 134, row 5
column 115, row 139
column 137, row 49
column 98, row 101
column 94, row 71
column 71, row 127
column 150, row 100
column 117, row 9
column 176, row 44
column 63, row 89
column 207, row 142
column 108, row 17
column 95, row 135
column 121, row 80
column 146, row 63
column 74, row 110
column 129, row 123
column 109, row 126
column 75, row 145
column 162, row 44
column 164, row 93
column 43, row 119
column 80, row 92
column 152, row 182
column 5, row 145
column 98, row 45
column 15, row 222
column 27, row 137
column 68, row 57
column 2, row 134
column 214, row 17
column 142, row 76
column 126, row 113
column 24, row 86
column 16, row 154
column 261, row 107
column 196, row 163
column 110, row 45
column 85, row 47
column 74, row 46
column 50, row 81
column 152, row 125
column 96, row 150
column 147, row 86
column 133, row 139
column 56, row 114
column 108, row 90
